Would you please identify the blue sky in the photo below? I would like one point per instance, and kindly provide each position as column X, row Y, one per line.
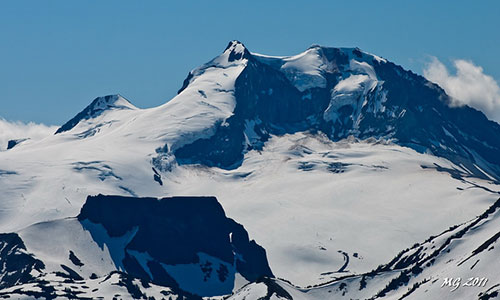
column 57, row 56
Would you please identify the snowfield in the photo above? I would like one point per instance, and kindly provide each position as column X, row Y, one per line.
column 305, row 199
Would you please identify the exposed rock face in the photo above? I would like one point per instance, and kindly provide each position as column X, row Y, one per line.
column 170, row 232
column 12, row 143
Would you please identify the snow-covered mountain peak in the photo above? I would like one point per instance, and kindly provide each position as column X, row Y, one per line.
column 236, row 51
column 113, row 101
column 234, row 54
column 341, row 92
column 96, row 108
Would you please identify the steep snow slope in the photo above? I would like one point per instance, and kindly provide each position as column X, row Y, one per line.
column 459, row 263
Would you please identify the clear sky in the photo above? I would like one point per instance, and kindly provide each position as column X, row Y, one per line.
column 57, row 56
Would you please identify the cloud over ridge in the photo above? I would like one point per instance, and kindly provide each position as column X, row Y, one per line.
column 468, row 86
column 12, row 130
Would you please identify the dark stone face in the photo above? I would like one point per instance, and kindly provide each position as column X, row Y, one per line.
column 12, row 143
column 15, row 263
column 173, row 231
column 460, row 134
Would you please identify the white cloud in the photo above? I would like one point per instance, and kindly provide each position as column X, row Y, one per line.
column 468, row 86
column 19, row 130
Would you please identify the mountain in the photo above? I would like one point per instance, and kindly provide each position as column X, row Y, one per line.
column 96, row 108
column 332, row 160
column 343, row 92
